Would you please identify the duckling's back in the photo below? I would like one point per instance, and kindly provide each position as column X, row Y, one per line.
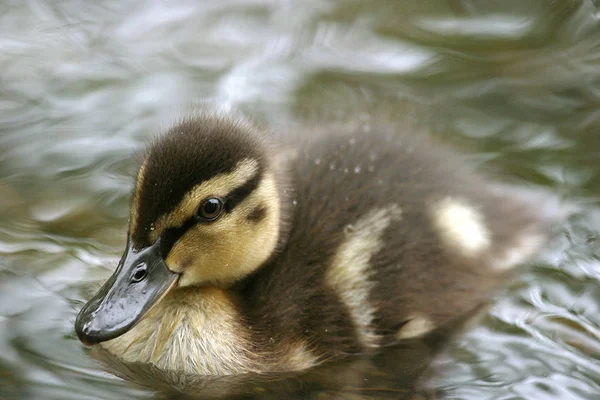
column 391, row 237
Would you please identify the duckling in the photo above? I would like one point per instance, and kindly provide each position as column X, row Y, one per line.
column 245, row 256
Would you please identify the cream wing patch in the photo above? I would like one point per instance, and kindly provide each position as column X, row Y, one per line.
column 418, row 326
column 527, row 243
column 350, row 270
column 461, row 226
column 299, row 357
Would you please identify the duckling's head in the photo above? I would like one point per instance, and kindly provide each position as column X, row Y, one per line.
column 206, row 210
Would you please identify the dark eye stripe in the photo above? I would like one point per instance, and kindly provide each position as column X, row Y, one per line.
column 239, row 194
column 171, row 235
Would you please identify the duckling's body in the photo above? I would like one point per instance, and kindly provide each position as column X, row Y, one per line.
column 325, row 246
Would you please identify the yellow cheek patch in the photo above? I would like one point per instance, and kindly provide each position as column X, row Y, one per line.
column 204, row 250
column 233, row 246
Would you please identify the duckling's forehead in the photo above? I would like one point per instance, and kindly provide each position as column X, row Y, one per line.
column 188, row 155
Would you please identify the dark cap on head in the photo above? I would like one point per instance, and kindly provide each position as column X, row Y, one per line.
column 191, row 152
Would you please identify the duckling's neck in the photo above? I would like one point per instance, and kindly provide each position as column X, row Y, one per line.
column 194, row 330
column 201, row 330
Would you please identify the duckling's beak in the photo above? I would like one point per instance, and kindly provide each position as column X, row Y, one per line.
column 141, row 280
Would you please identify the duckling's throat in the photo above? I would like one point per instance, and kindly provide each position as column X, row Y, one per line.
column 141, row 280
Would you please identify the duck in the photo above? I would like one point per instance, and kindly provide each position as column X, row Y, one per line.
column 250, row 252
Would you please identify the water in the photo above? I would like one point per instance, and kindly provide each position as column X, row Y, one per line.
column 83, row 85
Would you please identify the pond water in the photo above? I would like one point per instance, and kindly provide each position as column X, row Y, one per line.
column 83, row 85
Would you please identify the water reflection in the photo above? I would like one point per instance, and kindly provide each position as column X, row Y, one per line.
column 396, row 373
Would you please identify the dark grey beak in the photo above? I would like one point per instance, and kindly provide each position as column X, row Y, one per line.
column 140, row 281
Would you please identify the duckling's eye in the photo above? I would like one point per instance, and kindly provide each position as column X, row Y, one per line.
column 211, row 209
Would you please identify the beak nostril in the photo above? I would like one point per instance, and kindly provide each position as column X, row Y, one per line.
column 140, row 273
column 139, row 281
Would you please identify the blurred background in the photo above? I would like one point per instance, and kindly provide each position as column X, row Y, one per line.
column 83, row 85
